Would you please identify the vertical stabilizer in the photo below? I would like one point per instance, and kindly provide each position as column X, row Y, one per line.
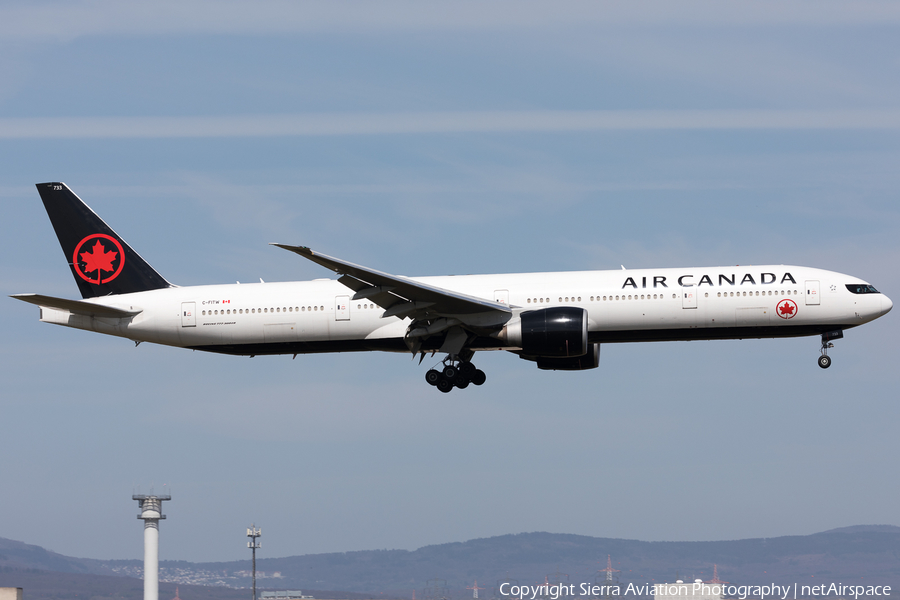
column 102, row 263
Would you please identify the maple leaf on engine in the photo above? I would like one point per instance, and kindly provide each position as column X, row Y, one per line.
column 98, row 259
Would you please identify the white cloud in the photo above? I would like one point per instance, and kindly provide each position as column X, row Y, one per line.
column 68, row 20
column 547, row 121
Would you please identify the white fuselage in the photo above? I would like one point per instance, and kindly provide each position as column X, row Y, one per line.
column 626, row 305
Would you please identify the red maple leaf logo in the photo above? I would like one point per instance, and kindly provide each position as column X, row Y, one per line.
column 787, row 309
column 98, row 259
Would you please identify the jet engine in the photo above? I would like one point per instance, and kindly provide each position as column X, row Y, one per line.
column 591, row 360
column 555, row 332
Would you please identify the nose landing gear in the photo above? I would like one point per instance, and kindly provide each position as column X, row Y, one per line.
column 456, row 373
column 824, row 359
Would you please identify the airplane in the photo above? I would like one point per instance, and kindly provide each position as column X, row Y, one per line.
column 557, row 320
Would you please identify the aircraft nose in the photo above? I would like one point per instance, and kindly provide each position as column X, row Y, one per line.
column 886, row 304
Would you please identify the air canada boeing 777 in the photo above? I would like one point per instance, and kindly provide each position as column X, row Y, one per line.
column 557, row 320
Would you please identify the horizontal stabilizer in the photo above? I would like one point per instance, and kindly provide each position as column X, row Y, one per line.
column 76, row 306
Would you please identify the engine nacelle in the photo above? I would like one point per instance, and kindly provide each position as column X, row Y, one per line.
column 558, row 332
column 591, row 360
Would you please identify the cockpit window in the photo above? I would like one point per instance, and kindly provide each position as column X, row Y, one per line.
column 861, row 288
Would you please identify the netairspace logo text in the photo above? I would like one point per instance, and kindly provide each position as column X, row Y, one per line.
column 741, row 592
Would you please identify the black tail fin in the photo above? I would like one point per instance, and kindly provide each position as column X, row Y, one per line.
column 102, row 262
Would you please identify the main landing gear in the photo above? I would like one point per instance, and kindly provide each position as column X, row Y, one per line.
column 458, row 373
column 824, row 359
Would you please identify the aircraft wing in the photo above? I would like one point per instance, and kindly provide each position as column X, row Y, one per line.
column 400, row 296
column 76, row 306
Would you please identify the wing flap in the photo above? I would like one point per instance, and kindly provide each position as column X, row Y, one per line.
column 353, row 283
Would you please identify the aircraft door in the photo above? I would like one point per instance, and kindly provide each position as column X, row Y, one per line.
column 188, row 314
column 688, row 297
column 812, row 292
column 342, row 308
column 501, row 296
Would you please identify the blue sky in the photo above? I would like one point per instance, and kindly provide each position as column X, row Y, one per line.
column 448, row 138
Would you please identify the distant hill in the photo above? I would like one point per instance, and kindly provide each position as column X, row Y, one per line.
column 25, row 556
column 869, row 553
column 866, row 529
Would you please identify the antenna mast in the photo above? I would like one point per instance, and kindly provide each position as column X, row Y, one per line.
column 253, row 533
column 715, row 578
column 608, row 570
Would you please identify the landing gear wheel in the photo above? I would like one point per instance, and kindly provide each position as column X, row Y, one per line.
column 824, row 361
column 479, row 377
column 467, row 370
column 433, row 376
column 451, row 373
column 444, row 384
column 462, row 383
